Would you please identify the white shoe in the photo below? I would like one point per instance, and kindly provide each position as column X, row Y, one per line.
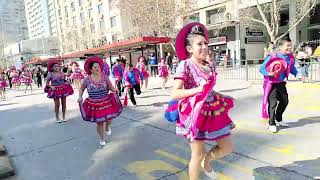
column 283, row 124
column 58, row 121
column 102, row 143
column 273, row 129
column 211, row 175
column 108, row 131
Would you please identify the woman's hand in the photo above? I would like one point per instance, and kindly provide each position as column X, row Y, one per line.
column 52, row 87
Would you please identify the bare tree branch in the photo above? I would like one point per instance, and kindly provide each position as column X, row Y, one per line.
column 300, row 19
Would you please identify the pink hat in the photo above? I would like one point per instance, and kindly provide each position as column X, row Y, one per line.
column 181, row 39
column 276, row 64
column 51, row 62
column 91, row 59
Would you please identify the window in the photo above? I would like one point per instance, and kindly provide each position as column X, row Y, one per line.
column 72, row 6
column 92, row 28
column 113, row 21
column 284, row 15
column 93, row 42
column 215, row 16
column 59, row 12
column 74, row 20
column 90, row 13
column 114, row 38
column 102, row 25
column 100, row 8
column 82, row 17
column 83, row 31
column 80, row 2
column 66, row 10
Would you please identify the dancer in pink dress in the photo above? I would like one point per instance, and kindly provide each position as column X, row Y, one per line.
column 101, row 106
column 203, row 113
column 58, row 88
column 26, row 78
column 76, row 75
column 163, row 69
column 142, row 67
column 15, row 78
column 3, row 84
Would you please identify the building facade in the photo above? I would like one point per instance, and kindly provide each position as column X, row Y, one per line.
column 241, row 41
column 13, row 24
column 37, row 14
column 84, row 24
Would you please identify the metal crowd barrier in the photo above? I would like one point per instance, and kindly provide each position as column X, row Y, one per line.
column 249, row 70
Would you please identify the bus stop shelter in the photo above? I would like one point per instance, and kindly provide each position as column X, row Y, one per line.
column 118, row 48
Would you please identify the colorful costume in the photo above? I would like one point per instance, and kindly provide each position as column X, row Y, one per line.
column 106, row 69
column 163, row 70
column 132, row 79
column 3, row 82
column 26, row 78
column 117, row 72
column 274, row 87
column 15, row 77
column 205, row 115
column 100, row 106
column 62, row 88
column 76, row 74
column 142, row 67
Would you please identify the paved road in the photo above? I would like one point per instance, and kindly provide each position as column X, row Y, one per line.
column 144, row 146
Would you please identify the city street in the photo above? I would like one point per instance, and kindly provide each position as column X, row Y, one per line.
column 143, row 145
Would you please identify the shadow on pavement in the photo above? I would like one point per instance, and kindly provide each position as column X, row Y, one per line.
column 236, row 89
column 150, row 96
column 303, row 122
column 308, row 169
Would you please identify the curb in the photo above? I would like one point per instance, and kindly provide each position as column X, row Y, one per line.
column 6, row 168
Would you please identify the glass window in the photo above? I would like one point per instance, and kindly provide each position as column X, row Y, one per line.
column 74, row 20
column 114, row 38
column 102, row 25
column 92, row 28
column 72, row 6
column 113, row 21
column 82, row 17
column 90, row 13
column 66, row 10
column 93, row 42
column 83, row 31
column 100, row 8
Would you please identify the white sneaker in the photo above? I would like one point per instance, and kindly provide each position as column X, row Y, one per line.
column 273, row 129
column 102, row 143
column 108, row 131
column 283, row 124
column 211, row 175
